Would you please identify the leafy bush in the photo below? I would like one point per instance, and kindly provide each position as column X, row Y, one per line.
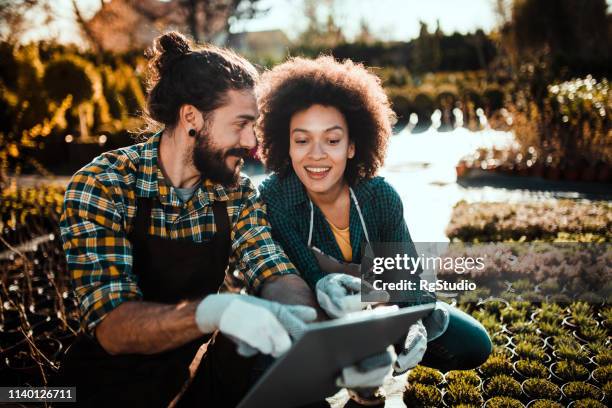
column 603, row 358
column 503, row 385
column 591, row 333
column 572, row 352
column 569, row 371
column 603, row 374
column 579, row 390
column 543, row 403
column 541, row 388
column 486, row 221
column 504, row 402
column 531, row 368
column 529, row 351
column 466, row 376
column 588, row 403
column 495, row 365
column 422, row 395
column 425, row 375
column 462, row 393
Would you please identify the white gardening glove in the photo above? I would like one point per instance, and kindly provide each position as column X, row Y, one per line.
column 369, row 372
column 340, row 294
column 256, row 325
column 413, row 350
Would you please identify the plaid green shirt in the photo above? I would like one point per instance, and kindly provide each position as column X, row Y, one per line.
column 289, row 214
column 100, row 206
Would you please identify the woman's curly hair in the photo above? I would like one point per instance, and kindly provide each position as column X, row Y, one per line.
column 299, row 83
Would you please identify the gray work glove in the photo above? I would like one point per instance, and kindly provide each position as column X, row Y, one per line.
column 256, row 325
column 415, row 345
column 369, row 372
column 340, row 294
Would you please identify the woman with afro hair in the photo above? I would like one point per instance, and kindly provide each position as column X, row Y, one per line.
column 324, row 128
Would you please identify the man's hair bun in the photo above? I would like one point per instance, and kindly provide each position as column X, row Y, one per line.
column 167, row 49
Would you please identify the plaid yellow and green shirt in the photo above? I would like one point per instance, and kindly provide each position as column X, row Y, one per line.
column 99, row 209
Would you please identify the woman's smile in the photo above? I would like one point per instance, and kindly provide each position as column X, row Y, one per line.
column 317, row 172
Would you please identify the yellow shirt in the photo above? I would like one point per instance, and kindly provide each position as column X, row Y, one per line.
column 343, row 239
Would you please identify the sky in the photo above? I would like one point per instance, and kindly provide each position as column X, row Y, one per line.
column 387, row 19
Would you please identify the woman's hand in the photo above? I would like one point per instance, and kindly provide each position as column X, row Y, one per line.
column 340, row 294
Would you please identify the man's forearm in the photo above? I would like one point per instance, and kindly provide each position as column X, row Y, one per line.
column 147, row 327
column 291, row 290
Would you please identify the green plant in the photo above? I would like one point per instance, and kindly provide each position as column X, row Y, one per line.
column 591, row 333
column 581, row 309
column 598, row 347
column 607, row 388
column 425, row 375
column 582, row 321
column 569, row 371
column 503, row 402
column 496, row 364
column 523, row 327
column 571, row 352
column 578, row 390
column 603, row 358
column 422, row 395
column 541, row 388
column 467, row 376
column 510, row 315
column 544, row 403
column 494, row 306
column 462, row 393
column 529, row 351
column 500, row 339
column 588, row 403
column 603, row 374
column 531, row 368
column 503, row 385
column 529, row 338
column 552, row 329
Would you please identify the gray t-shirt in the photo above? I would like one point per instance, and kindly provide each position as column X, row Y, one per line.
column 185, row 194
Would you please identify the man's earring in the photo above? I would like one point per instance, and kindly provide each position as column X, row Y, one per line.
column 192, row 132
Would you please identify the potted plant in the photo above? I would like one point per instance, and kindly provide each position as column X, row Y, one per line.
column 603, row 374
column 565, row 351
column 462, row 393
column 522, row 328
column 569, row 371
column 606, row 317
column 536, row 388
column 503, row 402
column 586, row 403
column 530, row 369
column 502, row 386
column 590, row 333
column 603, row 358
column 576, row 390
column 552, row 329
column 496, row 364
column 510, row 315
column 425, row 375
column 543, row 403
column 422, row 395
column 529, row 338
column 467, row 376
column 530, row 352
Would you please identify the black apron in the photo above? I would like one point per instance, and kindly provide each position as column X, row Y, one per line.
column 169, row 271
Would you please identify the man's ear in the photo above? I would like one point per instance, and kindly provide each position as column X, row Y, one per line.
column 190, row 117
column 351, row 150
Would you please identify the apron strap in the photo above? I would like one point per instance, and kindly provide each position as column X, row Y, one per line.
column 363, row 224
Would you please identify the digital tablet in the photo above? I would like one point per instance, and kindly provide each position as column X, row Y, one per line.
column 307, row 372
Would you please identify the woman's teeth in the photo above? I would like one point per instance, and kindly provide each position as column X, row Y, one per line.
column 317, row 169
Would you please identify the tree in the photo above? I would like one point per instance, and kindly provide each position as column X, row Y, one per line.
column 567, row 33
column 13, row 20
column 123, row 25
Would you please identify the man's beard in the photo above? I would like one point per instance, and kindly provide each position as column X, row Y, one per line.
column 211, row 162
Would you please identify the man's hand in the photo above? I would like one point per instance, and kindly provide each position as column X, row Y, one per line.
column 340, row 294
column 255, row 324
column 415, row 345
column 369, row 372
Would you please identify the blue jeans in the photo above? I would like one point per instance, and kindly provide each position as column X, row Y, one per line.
column 464, row 345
